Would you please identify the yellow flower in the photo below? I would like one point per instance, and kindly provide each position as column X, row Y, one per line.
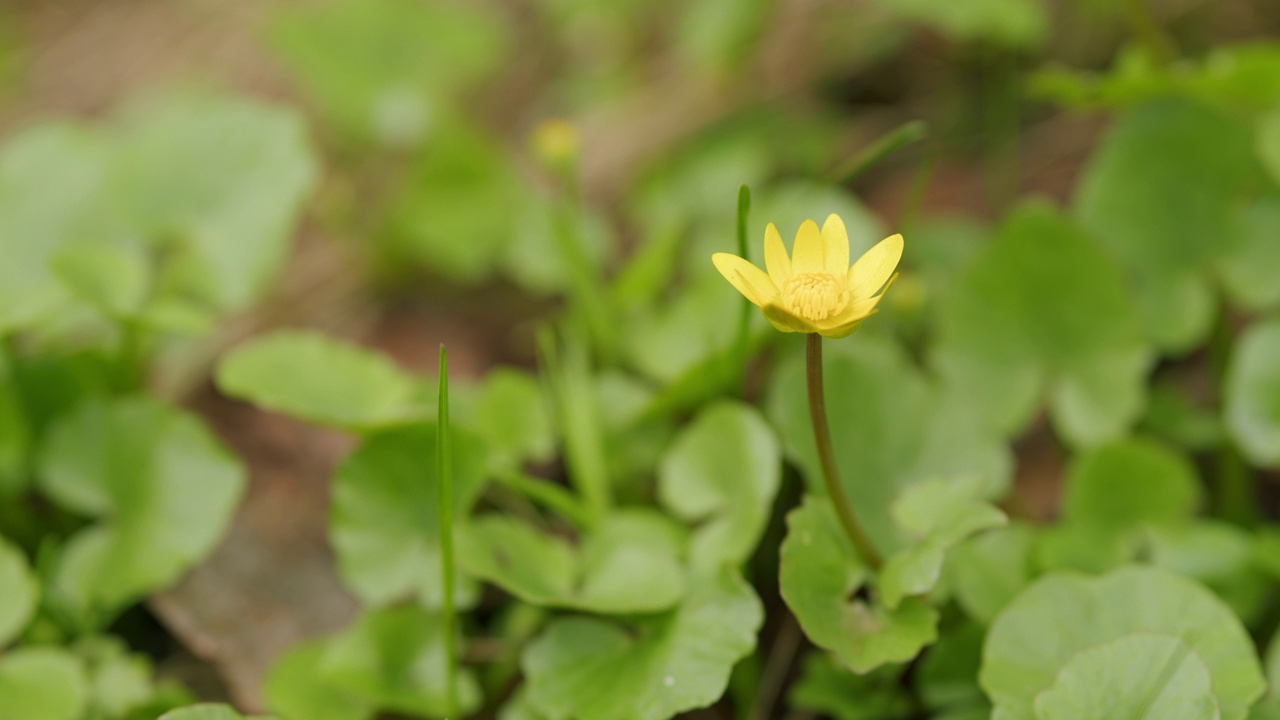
column 815, row 290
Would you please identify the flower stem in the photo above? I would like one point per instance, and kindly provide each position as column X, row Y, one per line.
column 444, row 481
column 826, row 455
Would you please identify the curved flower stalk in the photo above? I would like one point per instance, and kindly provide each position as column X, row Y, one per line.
column 815, row 290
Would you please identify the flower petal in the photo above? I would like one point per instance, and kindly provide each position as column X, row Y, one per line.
column 809, row 254
column 750, row 280
column 785, row 321
column 775, row 256
column 874, row 268
column 855, row 312
column 846, row 329
column 836, row 241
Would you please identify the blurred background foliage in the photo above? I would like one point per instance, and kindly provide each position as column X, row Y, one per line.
column 292, row 203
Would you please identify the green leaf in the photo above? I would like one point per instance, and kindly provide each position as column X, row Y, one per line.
column 513, row 417
column 583, row 667
column 890, row 429
column 820, row 573
column 1253, row 394
column 236, row 215
column 1045, row 310
column 827, row 687
column 51, row 181
column 292, row 689
column 1249, row 265
column 988, row 570
column 209, row 711
column 41, row 684
column 394, row 659
column 21, row 591
column 722, row 471
column 947, row 678
column 939, row 514
column 162, row 486
column 1219, row 555
column 365, row 64
column 15, row 431
column 119, row 682
column 628, row 564
column 322, row 380
column 385, row 520
column 1138, row 677
column 1014, row 23
column 1088, row 549
column 1162, row 191
column 1130, row 482
column 1036, row 637
column 114, row 278
column 1268, row 143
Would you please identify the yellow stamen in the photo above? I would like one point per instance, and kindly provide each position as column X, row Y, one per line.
column 815, row 296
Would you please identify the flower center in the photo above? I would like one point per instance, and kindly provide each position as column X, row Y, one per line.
column 815, row 296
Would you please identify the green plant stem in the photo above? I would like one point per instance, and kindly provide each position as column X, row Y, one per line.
column 547, row 493
column 742, row 344
column 444, row 481
column 826, row 454
column 882, row 147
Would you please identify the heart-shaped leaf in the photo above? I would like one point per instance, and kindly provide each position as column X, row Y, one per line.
column 820, row 573
column 161, row 485
column 1143, row 677
column 939, row 514
column 723, row 470
column 385, row 524
column 583, row 667
column 1044, row 630
column 628, row 564
column 1045, row 311
column 1130, row 482
column 318, row 378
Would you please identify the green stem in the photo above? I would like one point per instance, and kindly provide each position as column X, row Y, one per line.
column 882, row 147
column 549, row 494
column 826, row 454
column 742, row 345
column 444, row 481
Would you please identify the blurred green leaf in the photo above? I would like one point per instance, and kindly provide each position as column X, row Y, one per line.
column 385, row 70
column 828, row 687
column 293, row 691
column 512, row 416
column 716, row 36
column 210, row 711
column 722, row 471
column 1161, row 191
column 385, row 524
column 1038, row 639
column 1251, row 261
column 394, row 659
column 1253, row 394
column 119, row 682
column 15, row 430
column 1083, row 548
column 163, row 488
column 1014, row 23
column 323, row 380
column 628, row 564
column 988, row 570
column 1044, row 310
column 1138, row 676
column 820, row 573
column 52, row 179
column 947, row 678
column 938, row 514
column 21, row 591
column 1220, row 556
column 1172, row 414
column 890, row 429
column 534, row 257
column 680, row 660
column 41, row 684
column 236, row 214
column 1130, row 482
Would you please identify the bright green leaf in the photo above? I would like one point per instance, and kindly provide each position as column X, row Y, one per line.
column 629, row 564
column 1135, row 677
column 723, row 471
column 385, row 520
column 1248, row 267
column 1253, row 394
column 41, row 684
column 988, row 570
column 582, row 667
column 1130, row 482
column 394, row 659
column 21, row 591
column 1161, row 191
column 1037, row 635
column 209, row 711
column 162, row 486
column 512, row 416
column 1219, row 555
column 820, row 573
column 1014, row 23
column 119, row 682
column 292, row 689
column 321, row 379
column 1043, row 310
column 939, row 514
